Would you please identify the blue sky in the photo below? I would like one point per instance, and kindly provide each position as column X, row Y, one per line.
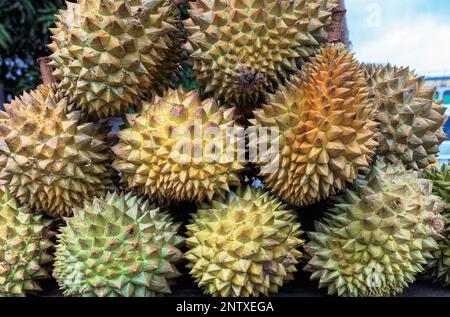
column 412, row 33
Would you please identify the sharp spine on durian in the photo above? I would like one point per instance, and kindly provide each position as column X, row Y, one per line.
column 108, row 54
column 163, row 152
column 50, row 158
column 242, row 49
column 118, row 245
column 439, row 265
column 327, row 132
column 23, row 248
column 244, row 245
column 411, row 120
column 378, row 236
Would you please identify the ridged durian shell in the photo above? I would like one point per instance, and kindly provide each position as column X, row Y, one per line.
column 334, row 3
column 327, row 134
column 411, row 120
column 23, row 248
column 242, row 49
column 378, row 236
column 170, row 69
column 49, row 158
column 439, row 266
column 245, row 245
column 108, row 54
column 119, row 245
column 160, row 154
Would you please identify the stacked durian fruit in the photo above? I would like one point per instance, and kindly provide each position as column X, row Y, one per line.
column 358, row 138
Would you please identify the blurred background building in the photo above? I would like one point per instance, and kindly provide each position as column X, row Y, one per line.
column 442, row 83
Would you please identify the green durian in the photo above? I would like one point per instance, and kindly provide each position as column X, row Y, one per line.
column 378, row 236
column 410, row 119
column 51, row 158
column 23, row 248
column 241, row 49
column 118, row 245
column 167, row 153
column 439, row 266
column 109, row 54
column 244, row 245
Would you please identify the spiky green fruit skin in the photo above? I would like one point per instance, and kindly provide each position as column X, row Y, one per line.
column 108, row 54
column 242, row 49
column 411, row 120
column 23, row 248
column 378, row 236
column 50, row 158
column 326, row 129
column 441, row 182
column 119, row 245
column 439, row 266
column 171, row 68
column 245, row 245
column 334, row 3
column 166, row 152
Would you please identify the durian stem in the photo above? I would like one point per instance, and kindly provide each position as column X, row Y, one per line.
column 46, row 71
column 438, row 224
column 336, row 34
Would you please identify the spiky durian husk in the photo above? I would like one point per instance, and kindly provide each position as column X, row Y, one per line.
column 119, row 245
column 334, row 3
column 242, row 49
column 378, row 236
column 439, row 266
column 245, row 245
column 166, row 153
column 49, row 159
column 171, row 69
column 108, row 54
column 441, row 182
column 23, row 248
column 326, row 132
column 411, row 120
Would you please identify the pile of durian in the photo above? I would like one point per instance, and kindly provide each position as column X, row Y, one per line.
column 360, row 139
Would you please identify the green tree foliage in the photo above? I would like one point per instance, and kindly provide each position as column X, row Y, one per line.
column 24, row 37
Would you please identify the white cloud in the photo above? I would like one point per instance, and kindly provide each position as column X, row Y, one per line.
column 422, row 43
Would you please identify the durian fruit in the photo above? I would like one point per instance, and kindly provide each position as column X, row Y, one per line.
column 171, row 69
column 334, row 3
column 378, row 236
column 23, row 248
column 439, row 266
column 326, row 133
column 180, row 148
column 118, row 245
column 50, row 159
column 244, row 245
column 108, row 54
column 240, row 49
column 411, row 120
column 441, row 181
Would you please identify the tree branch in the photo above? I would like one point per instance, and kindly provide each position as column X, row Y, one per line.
column 336, row 34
